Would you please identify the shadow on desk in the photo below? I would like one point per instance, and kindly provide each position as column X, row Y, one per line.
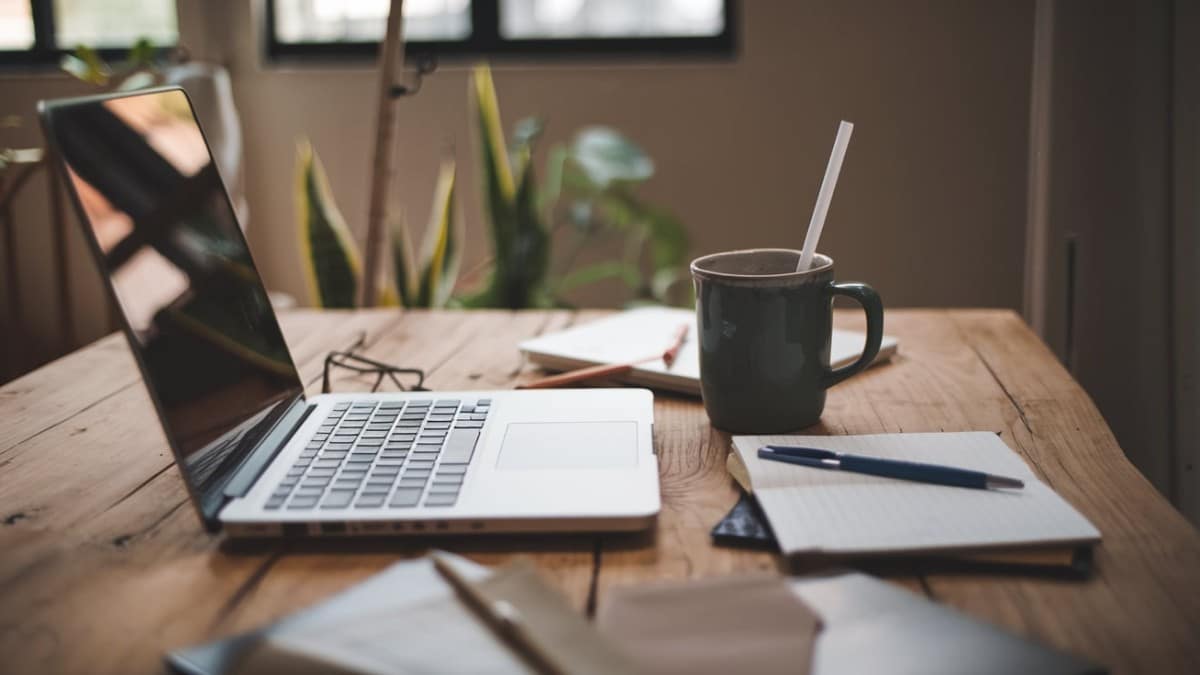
column 416, row 545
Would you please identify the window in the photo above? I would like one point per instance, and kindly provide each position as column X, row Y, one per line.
column 39, row 31
column 498, row 28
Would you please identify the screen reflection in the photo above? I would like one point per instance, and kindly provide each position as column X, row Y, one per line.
column 199, row 317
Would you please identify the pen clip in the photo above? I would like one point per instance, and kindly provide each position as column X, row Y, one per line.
column 797, row 451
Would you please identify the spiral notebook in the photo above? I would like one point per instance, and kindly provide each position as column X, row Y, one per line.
column 638, row 333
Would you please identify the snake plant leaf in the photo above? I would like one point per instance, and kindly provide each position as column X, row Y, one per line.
column 330, row 258
column 606, row 156
column 85, row 64
column 403, row 266
column 498, row 186
column 441, row 252
column 529, row 257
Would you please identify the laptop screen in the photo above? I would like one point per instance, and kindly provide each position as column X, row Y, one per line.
column 169, row 242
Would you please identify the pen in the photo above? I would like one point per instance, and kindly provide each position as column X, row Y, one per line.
column 501, row 616
column 887, row 468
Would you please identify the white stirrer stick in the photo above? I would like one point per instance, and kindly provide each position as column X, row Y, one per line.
column 825, row 195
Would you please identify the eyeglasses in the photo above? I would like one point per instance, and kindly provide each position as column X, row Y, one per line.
column 348, row 360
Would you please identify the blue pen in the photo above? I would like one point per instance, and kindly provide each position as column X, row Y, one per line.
column 887, row 468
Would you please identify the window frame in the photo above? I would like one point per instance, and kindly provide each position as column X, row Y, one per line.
column 485, row 41
column 45, row 51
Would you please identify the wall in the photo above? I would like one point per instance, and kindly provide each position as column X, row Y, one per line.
column 1120, row 257
column 930, row 207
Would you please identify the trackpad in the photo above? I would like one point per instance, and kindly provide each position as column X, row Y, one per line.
column 582, row 445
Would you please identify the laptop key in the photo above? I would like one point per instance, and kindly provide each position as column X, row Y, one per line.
column 405, row 497
column 302, row 503
column 443, row 479
column 446, row 470
column 337, row 499
column 411, row 483
column 460, row 446
column 274, row 503
column 441, row 500
column 370, row 501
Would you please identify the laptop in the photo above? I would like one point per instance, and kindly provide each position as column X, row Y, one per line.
column 259, row 457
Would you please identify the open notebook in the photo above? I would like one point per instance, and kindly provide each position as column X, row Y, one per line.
column 643, row 332
column 841, row 513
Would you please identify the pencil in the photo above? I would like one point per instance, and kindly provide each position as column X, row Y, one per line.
column 501, row 616
column 603, row 370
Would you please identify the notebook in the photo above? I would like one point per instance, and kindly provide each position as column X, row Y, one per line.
column 752, row 623
column 818, row 511
column 763, row 624
column 907, row 633
column 646, row 331
column 409, row 619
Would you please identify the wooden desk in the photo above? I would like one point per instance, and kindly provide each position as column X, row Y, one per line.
column 103, row 565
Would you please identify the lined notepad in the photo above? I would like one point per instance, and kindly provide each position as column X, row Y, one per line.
column 837, row 512
column 637, row 333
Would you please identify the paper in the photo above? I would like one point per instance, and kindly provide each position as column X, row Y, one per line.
column 747, row 624
column 640, row 333
column 815, row 510
column 908, row 634
column 561, row 632
column 404, row 619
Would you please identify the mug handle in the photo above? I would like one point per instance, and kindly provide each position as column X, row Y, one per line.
column 873, row 306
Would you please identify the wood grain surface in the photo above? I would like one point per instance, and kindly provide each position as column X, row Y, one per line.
column 104, row 565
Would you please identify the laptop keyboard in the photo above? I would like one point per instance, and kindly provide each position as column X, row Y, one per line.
column 387, row 454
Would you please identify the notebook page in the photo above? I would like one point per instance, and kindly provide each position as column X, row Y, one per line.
column 638, row 333
column 838, row 512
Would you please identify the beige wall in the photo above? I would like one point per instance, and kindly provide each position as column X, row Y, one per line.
column 930, row 207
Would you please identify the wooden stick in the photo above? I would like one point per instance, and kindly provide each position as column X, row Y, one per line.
column 604, row 370
column 391, row 62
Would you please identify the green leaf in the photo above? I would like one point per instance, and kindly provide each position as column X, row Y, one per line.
column 527, row 131
column 402, row 261
column 85, row 64
column 499, row 188
column 330, row 258
column 521, row 269
column 141, row 54
column 606, row 156
column 520, row 241
column 599, row 271
column 668, row 239
column 552, row 187
column 442, row 249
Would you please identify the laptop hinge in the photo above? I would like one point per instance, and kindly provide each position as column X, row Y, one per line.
column 272, row 442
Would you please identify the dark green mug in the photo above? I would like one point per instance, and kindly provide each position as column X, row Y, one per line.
column 764, row 332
